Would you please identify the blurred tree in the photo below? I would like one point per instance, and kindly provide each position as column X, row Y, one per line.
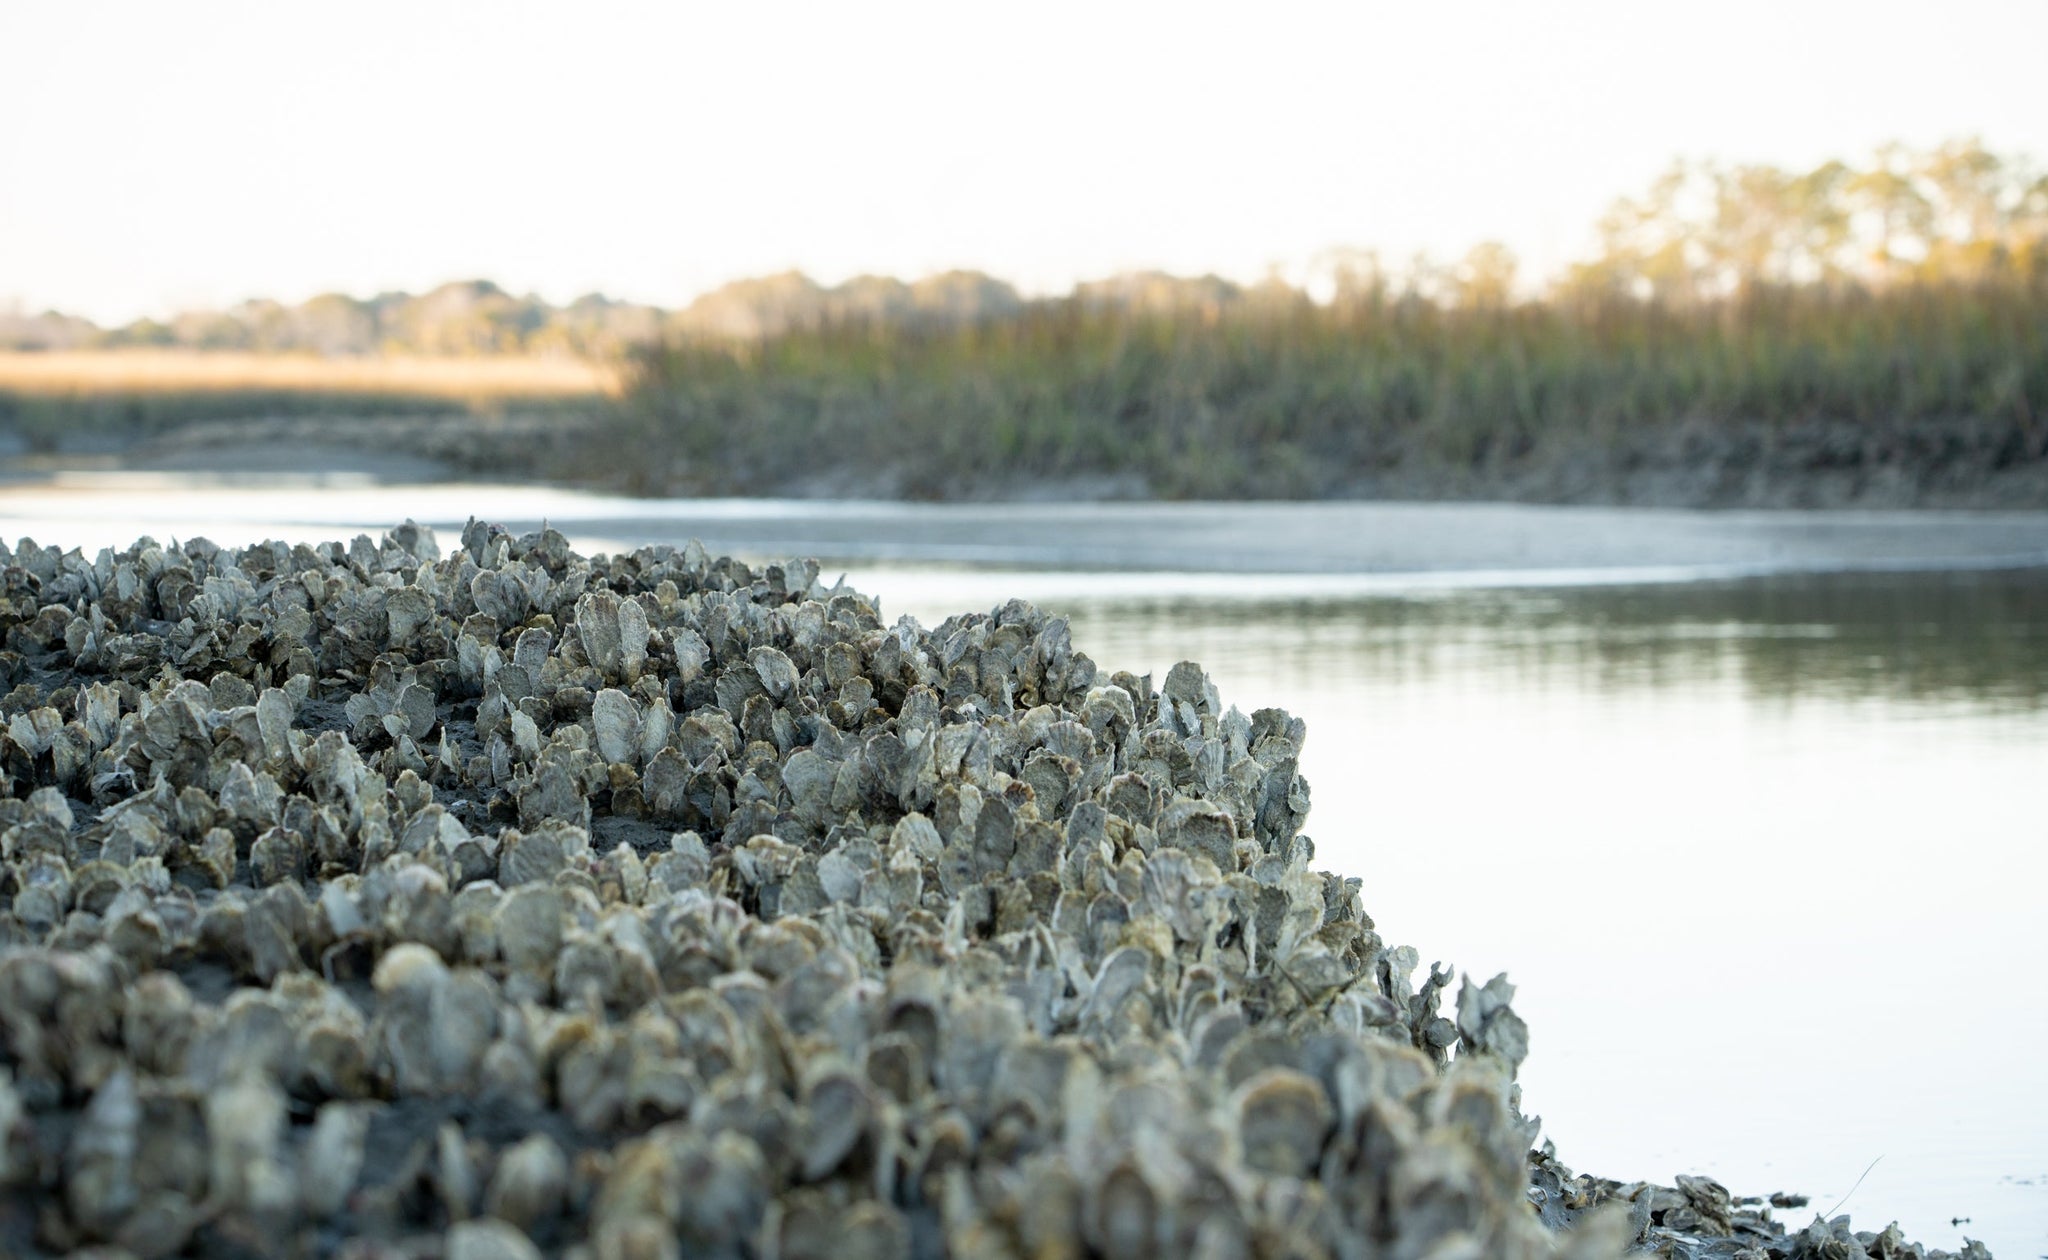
column 1485, row 279
column 1966, row 182
column 1698, row 234
column 1651, row 248
column 1701, row 231
column 1356, row 278
column 1755, row 209
column 1820, row 225
column 334, row 324
column 1965, row 177
column 1898, row 216
column 209, row 330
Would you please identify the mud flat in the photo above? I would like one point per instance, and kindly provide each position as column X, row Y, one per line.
column 1245, row 545
column 1254, row 539
column 363, row 900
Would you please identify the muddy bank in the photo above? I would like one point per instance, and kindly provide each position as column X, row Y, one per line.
column 1720, row 464
column 1714, row 466
column 383, row 447
column 1807, row 465
column 368, row 900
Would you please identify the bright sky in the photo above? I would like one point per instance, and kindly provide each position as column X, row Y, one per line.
column 157, row 156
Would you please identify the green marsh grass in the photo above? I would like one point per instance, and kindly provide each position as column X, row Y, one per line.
column 1295, row 398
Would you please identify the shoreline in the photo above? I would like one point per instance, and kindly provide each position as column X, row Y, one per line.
column 1813, row 465
column 1334, row 545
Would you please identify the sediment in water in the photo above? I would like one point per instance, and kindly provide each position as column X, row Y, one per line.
column 364, row 901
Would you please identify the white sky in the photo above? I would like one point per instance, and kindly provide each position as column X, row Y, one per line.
column 161, row 156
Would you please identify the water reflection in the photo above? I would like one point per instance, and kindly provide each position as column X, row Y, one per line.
column 1976, row 638
column 1762, row 856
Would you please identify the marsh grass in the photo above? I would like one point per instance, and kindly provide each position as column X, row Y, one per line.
column 173, row 371
column 1742, row 330
column 1293, row 398
column 1744, row 335
column 120, row 395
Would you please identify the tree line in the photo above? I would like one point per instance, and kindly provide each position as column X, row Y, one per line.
column 1869, row 333
column 1702, row 232
column 1745, row 334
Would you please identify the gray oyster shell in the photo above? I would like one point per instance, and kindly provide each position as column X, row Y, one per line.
column 373, row 900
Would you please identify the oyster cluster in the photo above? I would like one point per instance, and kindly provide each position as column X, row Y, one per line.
column 364, row 901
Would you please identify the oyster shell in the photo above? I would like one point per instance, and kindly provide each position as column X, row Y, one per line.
column 514, row 902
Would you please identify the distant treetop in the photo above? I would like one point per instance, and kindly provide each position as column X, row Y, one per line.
column 1702, row 232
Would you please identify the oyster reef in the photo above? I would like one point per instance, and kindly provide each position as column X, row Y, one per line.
column 365, row 901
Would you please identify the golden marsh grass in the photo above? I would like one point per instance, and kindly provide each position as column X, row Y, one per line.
column 89, row 372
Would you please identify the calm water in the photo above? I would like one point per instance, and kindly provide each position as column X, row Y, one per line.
column 1765, row 857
